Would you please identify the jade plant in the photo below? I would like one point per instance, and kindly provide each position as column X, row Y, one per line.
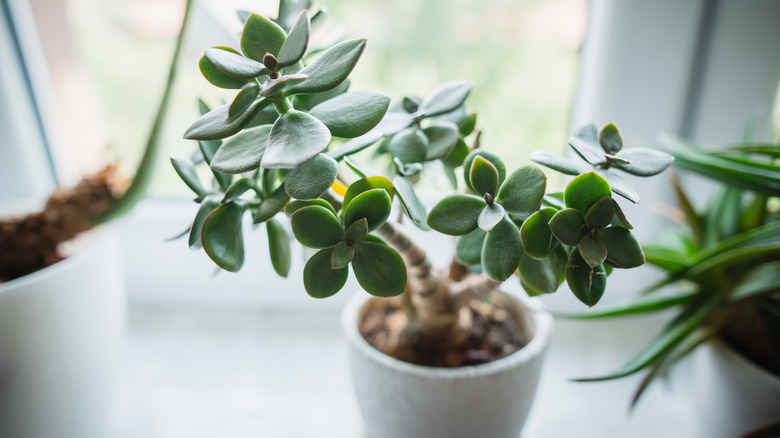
column 283, row 151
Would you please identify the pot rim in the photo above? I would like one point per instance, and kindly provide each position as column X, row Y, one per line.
column 543, row 322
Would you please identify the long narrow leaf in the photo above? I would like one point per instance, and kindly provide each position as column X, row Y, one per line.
column 641, row 305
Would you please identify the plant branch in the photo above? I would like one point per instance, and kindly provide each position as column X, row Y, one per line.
column 420, row 270
column 471, row 288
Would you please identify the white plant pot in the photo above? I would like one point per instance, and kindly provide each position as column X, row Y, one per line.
column 731, row 395
column 403, row 400
column 61, row 330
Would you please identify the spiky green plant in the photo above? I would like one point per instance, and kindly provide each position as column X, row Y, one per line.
column 277, row 147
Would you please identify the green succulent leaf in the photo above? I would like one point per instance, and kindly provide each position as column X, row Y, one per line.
column 332, row 68
column 394, row 122
column 601, row 214
column 456, row 215
column 623, row 250
column 523, row 191
column 358, row 231
column 373, row 205
column 260, row 36
column 319, row 277
column 537, row 237
column 619, row 185
column 543, row 276
column 587, row 283
column 356, row 145
column 568, row 226
column 643, row 161
column 279, row 246
column 410, row 202
column 243, row 101
column 316, row 227
column 559, row 163
column 215, row 75
column 207, row 205
column 352, row 114
column 459, row 153
column 234, row 64
column 585, row 190
column 409, row 146
column 620, row 218
column 445, row 98
column 312, row 178
column 502, row 251
column 442, row 138
column 277, row 87
column 343, row 253
column 242, row 152
column 366, row 184
column 468, row 248
column 592, row 250
column 186, row 171
column 467, row 124
column 214, row 125
column 295, row 137
column 610, row 139
column 294, row 45
column 222, row 236
column 586, row 144
column 483, row 176
column 271, row 205
column 379, row 269
column 309, row 101
column 489, row 156
column 490, row 216
column 238, row 188
column 294, row 206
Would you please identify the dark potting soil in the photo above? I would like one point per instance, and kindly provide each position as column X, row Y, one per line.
column 495, row 333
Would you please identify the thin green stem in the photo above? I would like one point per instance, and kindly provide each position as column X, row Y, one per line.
column 282, row 105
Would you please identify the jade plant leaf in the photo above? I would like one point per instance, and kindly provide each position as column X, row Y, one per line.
column 215, row 75
column 373, row 205
column 234, row 64
column 312, row 178
column 316, row 227
column 409, row 146
column 271, row 205
column 242, row 152
column 208, row 205
column 319, row 278
column 238, row 188
column 587, row 284
column 556, row 162
column 242, row 101
column 260, row 36
column 280, row 85
column 458, row 154
column 356, row 145
column 620, row 218
column 468, row 249
column 619, row 185
column 343, row 253
column 352, row 114
column 309, row 101
column 279, row 246
column 394, row 122
column 379, row 269
column 502, row 251
column 592, row 250
column 601, row 213
column 568, row 226
column 490, row 216
column 331, row 68
column 585, row 143
column 523, row 190
column 644, row 161
column 610, row 139
column 489, row 156
column 294, row 206
column 214, row 125
column 537, row 237
column 623, row 250
column 186, row 171
column 366, row 184
column 442, row 138
column 542, row 276
column 483, row 177
column 222, row 236
column 295, row 137
column 410, row 203
column 445, row 98
column 358, row 231
column 456, row 215
column 584, row 191
column 294, row 45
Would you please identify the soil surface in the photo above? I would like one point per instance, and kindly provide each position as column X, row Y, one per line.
column 495, row 333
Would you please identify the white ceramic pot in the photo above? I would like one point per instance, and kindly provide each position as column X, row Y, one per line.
column 403, row 400
column 61, row 330
column 731, row 395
